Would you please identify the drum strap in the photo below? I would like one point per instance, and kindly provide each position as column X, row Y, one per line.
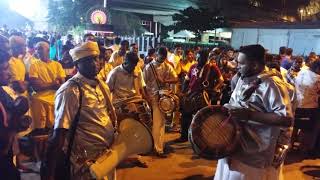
column 75, row 123
column 205, row 82
column 245, row 96
column 155, row 75
column 207, row 74
column 110, row 108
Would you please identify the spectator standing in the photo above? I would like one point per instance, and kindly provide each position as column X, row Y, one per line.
column 53, row 48
column 287, row 61
column 307, row 85
column 16, row 65
column 59, row 46
column 46, row 76
column 117, row 57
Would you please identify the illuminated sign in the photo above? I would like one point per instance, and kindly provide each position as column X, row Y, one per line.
column 98, row 17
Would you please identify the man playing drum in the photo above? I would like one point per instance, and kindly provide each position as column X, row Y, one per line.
column 127, row 86
column 263, row 109
column 158, row 76
column 94, row 131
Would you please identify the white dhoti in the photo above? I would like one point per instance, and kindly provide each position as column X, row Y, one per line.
column 240, row 171
column 158, row 128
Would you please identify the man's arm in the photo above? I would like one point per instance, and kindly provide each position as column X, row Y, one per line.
column 277, row 105
column 185, row 85
column 220, row 79
column 219, row 84
column 143, row 88
column 172, row 79
column 111, row 78
column 61, row 80
column 39, row 85
column 272, row 119
column 66, row 107
column 61, row 74
column 55, row 144
column 19, row 86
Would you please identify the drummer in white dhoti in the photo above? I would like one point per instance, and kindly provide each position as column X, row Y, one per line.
column 264, row 107
column 158, row 75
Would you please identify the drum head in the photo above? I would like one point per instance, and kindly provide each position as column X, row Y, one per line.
column 137, row 134
column 213, row 135
column 166, row 104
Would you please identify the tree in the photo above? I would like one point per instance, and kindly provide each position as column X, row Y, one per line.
column 125, row 23
column 198, row 20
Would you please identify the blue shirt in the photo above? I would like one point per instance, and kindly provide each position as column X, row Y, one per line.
column 286, row 63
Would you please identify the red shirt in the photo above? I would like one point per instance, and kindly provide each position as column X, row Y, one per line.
column 196, row 81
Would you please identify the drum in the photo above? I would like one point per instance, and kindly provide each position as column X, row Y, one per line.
column 134, row 107
column 168, row 102
column 192, row 102
column 213, row 134
column 134, row 138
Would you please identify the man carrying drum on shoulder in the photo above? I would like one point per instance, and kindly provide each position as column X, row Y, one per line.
column 262, row 105
column 127, row 86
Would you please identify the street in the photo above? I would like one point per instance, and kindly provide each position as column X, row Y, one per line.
column 183, row 164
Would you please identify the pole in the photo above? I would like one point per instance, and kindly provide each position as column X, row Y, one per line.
column 104, row 3
column 156, row 29
column 215, row 35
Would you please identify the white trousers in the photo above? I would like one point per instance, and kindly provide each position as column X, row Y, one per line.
column 158, row 128
column 239, row 171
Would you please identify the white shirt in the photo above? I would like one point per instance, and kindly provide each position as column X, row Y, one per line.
column 307, row 86
column 122, row 84
column 271, row 96
column 162, row 69
column 284, row 72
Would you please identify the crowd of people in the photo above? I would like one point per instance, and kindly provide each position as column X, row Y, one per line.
column 83, row 91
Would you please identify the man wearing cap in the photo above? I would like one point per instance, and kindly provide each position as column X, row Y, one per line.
column 16, row 65
column 46, row 76
column 94, row 132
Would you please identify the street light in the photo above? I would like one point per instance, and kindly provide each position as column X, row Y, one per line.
column 301, row 14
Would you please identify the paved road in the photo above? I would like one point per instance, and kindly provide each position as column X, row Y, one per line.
column 182, row 164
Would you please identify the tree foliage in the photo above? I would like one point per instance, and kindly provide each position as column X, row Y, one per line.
column 125, row 23
column 198, row 20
